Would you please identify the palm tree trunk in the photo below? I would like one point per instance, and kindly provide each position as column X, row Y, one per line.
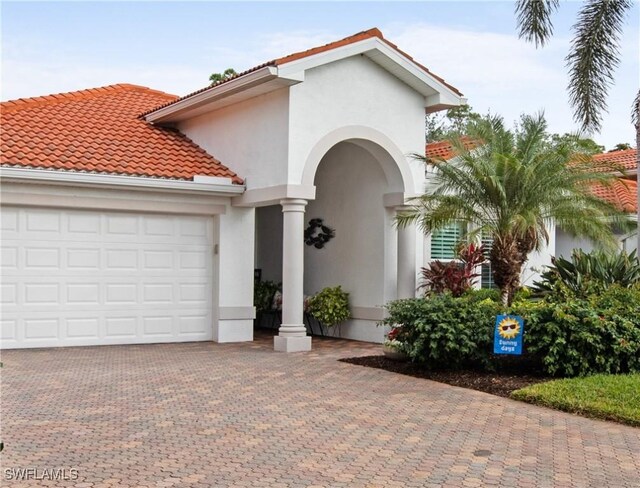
column 506, row 264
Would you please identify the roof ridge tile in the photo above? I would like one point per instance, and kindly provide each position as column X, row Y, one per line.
column 75, row 95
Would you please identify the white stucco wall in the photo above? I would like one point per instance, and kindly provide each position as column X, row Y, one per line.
column 235, row 266
column 354, row 92
column 566, row 243
column 349, row 198
column 539, row 259
column 249, row 137
column 280, row 138
column 269, row 242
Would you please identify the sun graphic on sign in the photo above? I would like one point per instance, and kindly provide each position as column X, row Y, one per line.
column 508, row 328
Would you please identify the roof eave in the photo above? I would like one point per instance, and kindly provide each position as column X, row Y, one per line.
column 74, row 178
column 438, row 96
column 243, row 87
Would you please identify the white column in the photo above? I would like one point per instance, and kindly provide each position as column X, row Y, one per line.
column 407, row 271
column 292, row 336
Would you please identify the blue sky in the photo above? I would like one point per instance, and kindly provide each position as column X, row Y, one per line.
column 52, row 47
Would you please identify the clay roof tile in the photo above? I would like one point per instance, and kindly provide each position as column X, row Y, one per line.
column 89, row 130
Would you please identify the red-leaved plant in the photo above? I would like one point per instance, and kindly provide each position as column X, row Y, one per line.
column 453, row 276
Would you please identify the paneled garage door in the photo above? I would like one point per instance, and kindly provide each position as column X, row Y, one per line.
column 85, row 277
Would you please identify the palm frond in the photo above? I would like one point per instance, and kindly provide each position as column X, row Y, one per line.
column 534, row 20
column 593, row 57
column 635, row 112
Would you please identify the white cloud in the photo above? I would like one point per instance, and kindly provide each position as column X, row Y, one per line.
column 496, row 72
column 25, row 73
column 504, row 75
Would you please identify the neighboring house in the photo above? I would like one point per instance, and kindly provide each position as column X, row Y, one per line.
column 623, row 194
column 133, row 216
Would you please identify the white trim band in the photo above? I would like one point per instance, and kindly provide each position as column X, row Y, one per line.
column 53, row 177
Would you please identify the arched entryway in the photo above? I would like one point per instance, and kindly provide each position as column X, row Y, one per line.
column 360, row 185
column 351, row 184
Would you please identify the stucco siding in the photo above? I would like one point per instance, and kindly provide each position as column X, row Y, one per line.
column 250, row 137
column 354, row 92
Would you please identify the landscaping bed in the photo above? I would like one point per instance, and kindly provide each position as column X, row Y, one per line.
column 606, row 397
column 501, row 383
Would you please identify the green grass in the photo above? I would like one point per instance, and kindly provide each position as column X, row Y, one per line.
column 608, row 397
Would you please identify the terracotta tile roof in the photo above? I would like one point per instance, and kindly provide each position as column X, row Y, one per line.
column 99, row 131
column 625, row 159
column 360, row 36
column 443, row 150
column 622, row 193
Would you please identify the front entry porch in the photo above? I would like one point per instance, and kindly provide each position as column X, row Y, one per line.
column 359, row 191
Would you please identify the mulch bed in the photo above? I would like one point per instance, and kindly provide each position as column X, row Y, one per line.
column 500, row 383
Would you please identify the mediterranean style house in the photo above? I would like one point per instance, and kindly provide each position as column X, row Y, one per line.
column 134, row 216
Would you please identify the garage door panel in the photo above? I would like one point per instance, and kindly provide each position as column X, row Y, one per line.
column 9, row 257
column 82, row 258
column 83, row 277
column 158, row 293
column 37, row 329
column 118, row 293
column 121, row 224
column 193, row 324
column 82, row 328
column 37, row 294
column 41, row 221
column 82, row 224
column 42, row 257
column 9, row 330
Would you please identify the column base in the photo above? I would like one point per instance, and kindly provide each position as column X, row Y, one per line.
column 292, row 344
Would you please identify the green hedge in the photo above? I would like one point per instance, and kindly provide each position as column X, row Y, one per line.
column 575, row 337
column 443, row 331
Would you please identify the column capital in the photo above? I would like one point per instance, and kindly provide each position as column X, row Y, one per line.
column 293, row 204
column 402, row 208
column 397, row 199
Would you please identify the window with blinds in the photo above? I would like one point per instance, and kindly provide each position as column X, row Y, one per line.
column 445, row 240
column 486, row 279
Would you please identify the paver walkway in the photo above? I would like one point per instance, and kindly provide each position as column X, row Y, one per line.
column 205, row 414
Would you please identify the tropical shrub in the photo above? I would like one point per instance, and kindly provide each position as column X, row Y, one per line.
column 263, row 295
column 563, row 336
column 455, row 277
column 443, row 331
column 331, row 306
column 580, row 336
column 589, row 273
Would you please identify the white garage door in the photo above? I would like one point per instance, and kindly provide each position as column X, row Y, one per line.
column 87, row 277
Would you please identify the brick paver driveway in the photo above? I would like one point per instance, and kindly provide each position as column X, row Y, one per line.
column 208, row 414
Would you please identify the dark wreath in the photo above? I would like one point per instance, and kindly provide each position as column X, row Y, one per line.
column 318, row 234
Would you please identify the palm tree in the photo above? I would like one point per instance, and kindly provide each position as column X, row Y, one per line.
column 594, row 53
column 593, row 57
column 218, row 77
column 512, row 187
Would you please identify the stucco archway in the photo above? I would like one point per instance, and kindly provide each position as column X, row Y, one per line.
column 353, row 181
column 361, row 180
column 391, row 160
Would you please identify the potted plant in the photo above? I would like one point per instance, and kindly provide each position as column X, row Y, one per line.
column 393, row 345
column 330, row 307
